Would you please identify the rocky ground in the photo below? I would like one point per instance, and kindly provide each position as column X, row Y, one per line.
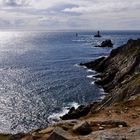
column 117, row 117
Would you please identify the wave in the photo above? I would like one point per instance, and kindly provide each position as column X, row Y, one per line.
column 77, row 65
column 55, row 117
column 90, row 76
column 90, row 70
column 93, row 82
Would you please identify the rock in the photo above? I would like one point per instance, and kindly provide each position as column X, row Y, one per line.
column 58, row 134
column 106, row 43
column 109, row 123
column 72, row 109
column 4, row 136
column 82, row 128
column 120, row 126
column 76, row 113
column 47, row 130
column 134, row 116
column 81, row 111
column 101, row 128
column 16, row 136
column 93, row 64
column 28, row 137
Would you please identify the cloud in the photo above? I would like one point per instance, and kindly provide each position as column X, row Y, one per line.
column 108, row 6
column 70, row 14
column 15, row 3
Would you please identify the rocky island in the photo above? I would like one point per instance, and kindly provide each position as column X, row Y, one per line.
column 116, row 117
column 106, row 43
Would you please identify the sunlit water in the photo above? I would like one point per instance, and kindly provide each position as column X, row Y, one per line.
column 40, row 78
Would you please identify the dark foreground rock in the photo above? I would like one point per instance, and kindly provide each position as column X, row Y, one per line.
column 119, row 72
column 82, row 128
column 106, row 43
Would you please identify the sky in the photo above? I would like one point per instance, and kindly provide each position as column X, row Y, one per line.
column 70, row 14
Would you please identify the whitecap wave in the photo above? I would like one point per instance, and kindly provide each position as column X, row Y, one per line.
column 74, row 104
column 102, row 97
column 93, row 82
column 55, row 117
column 90, row 76
column 90, row 70
column 77, row 65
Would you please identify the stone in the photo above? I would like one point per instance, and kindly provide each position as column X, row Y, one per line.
column 120, row 126
column 111, row 123
column 29, row 137
column 101, row 128
column 4, row 136
column 76, row 113
column 106, row 43
column 58, row 134
column 82, row 128
column 47, row 130
column 16, row 136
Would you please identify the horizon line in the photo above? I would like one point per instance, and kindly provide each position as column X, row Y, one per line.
column 65, row 30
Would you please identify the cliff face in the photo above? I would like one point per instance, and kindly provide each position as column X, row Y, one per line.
column 119, row 72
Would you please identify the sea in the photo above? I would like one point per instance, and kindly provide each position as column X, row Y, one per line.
column 40, row 76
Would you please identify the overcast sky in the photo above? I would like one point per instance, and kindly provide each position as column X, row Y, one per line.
column 70, row 14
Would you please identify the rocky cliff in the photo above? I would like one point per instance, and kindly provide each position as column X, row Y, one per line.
column 119, row 73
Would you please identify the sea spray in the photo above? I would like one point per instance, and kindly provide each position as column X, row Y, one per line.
column 55, row 117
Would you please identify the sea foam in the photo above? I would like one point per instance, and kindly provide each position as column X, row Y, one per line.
column 55, row 117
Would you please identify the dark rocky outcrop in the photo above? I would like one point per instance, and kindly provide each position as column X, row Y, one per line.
column 82, row 110
column 82, row 128
column 106, row 43
column 119, row 72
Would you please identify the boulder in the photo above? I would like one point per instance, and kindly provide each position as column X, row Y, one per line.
column 82, row 128
column 58, row 134
column 106, row 43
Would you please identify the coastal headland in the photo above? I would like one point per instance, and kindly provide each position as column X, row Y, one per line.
column 116, row 117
